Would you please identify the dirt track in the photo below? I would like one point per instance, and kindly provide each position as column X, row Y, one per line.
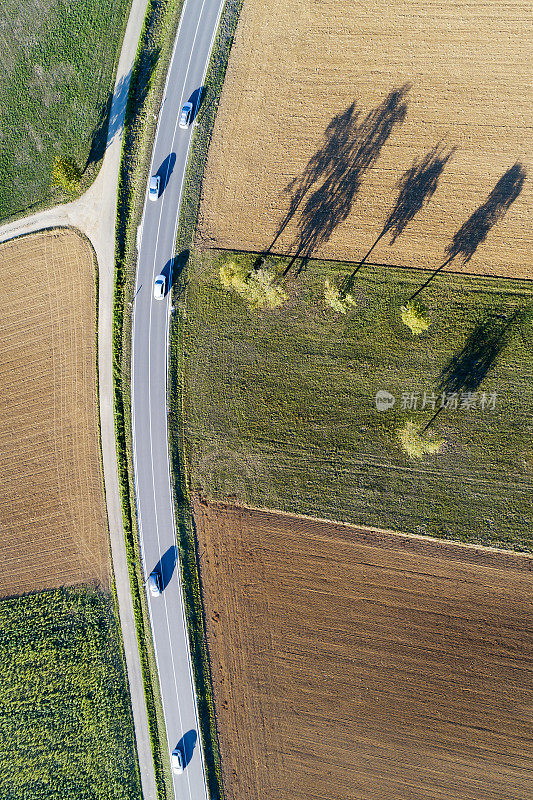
column 296, row 65
column 359, row 664
column 52, row 513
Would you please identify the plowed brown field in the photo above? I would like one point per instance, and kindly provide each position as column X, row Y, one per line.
column 362, row 664
column 297, row 65
column 53, row 528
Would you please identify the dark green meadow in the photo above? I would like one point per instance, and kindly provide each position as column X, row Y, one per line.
column 66, row 729
column 280, row 405
column 58, row 61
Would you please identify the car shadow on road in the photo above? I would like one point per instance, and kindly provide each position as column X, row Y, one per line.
column 165, row 171
column 174, row 267
column 196, row 98
column 165, row 566
column 186, row 745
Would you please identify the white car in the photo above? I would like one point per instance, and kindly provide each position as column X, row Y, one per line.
column 154, row 584
column 186, row 115
column 153, row 191
column 176, row 760
column 160, row 286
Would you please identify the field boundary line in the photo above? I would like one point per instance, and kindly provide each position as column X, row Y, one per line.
column 451, row 544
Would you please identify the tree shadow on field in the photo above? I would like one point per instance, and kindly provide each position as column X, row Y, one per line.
column 476, row 228
column 321, row 198
column 468, row 369
column 415, row 188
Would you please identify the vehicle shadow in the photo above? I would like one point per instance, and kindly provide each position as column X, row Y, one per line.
column 174, row 267
column 165, row 171
column 186, row 745
column 197, row 99
column 165, row 566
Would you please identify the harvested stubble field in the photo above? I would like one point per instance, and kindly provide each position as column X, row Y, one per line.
column 286, row 115
column 361, row 664
column 53, row 524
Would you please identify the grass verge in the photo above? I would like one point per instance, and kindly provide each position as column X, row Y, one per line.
column 59, row 62
column 280, row 406
column 66, row 728
column 144, row 99
column 192, row 589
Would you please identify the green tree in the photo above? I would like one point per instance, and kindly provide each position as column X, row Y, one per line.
column 66, row 175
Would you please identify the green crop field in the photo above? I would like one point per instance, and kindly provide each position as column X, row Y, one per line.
column 58, row 61
column 280, row 405
column 66, row 729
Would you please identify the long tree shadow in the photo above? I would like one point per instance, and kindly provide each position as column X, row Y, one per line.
column 110, row 121
column 467, row 370
column 476, row 228
column 321, row 197
column 415, row 188
column 113, row 112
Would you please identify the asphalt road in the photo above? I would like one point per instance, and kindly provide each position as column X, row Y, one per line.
column 198, row 25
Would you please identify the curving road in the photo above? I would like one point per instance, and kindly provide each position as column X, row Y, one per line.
column 156, row 242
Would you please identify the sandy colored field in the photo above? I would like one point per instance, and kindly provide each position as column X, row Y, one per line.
column 298, row 64
column 365, row 664
column 52, row 512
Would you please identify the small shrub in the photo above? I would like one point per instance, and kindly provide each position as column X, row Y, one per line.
column 257, row 287
column 66, row 175
column 336, row 299
column 414, row 315
column 418, row 443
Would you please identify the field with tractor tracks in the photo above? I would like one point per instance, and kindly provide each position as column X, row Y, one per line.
column 52, row 508
column 357, row 663
column 329, row 109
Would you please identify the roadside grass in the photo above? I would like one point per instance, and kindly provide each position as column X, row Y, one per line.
column 58, row 66
column 66, row 728
column 145, row 94
column 279, row 406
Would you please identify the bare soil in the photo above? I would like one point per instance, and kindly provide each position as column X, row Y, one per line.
column 297, row 67
column 53, row 528
column 357, row 663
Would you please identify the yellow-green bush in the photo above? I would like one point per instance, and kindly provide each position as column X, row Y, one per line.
column 418, row 443
column 257, row 287
column 66, row 175
column 414, row 315
column 336, row 300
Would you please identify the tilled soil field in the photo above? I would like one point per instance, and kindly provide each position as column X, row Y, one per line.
column 361, row 664
column 53, row 528
column 327, row 106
